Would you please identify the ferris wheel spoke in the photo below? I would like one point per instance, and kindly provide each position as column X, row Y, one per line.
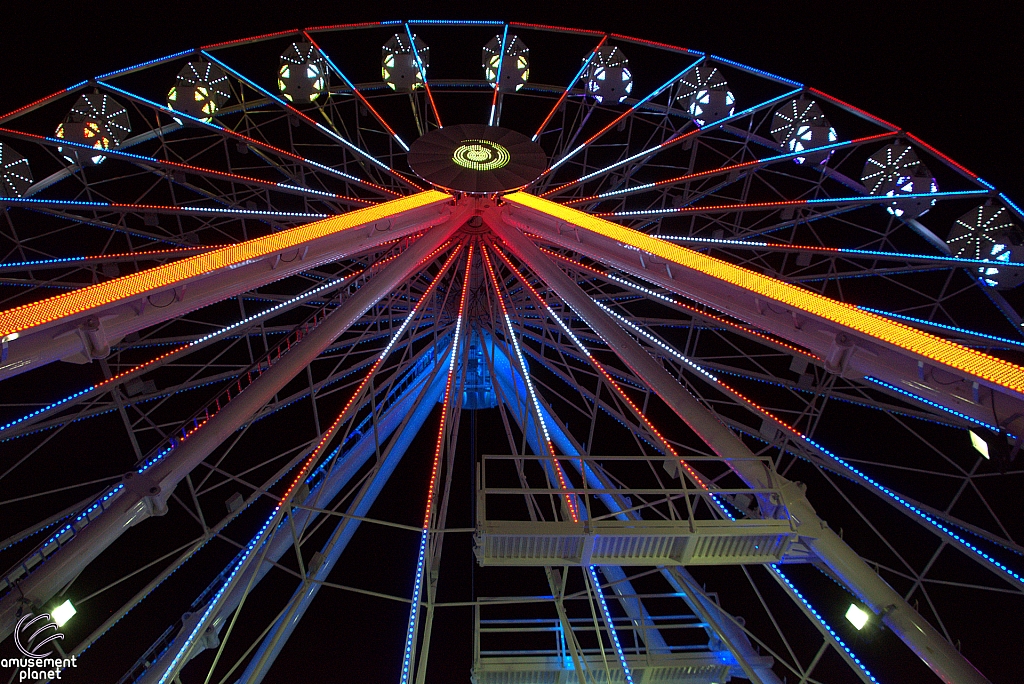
column 732, row 171
column 569, row 87
column 263, row 147
column 672, row 141
column 423, row 74
column 622, row 117
column 360, row 153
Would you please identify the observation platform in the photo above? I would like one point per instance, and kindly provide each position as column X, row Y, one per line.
column 692, row 529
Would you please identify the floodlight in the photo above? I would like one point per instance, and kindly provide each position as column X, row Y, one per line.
column 979, row 443
column 62, row 613
column 857, row 616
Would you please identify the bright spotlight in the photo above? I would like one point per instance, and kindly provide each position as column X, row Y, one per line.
column 62, row 613
column 978, row 443
column 857, row 616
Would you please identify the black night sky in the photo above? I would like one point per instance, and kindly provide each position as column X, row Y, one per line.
column 953, row 78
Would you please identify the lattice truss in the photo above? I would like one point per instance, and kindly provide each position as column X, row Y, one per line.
column 251, row 360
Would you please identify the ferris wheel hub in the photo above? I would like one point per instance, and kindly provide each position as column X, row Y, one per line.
column 477, row 159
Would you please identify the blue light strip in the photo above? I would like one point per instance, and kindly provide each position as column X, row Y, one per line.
column 422, row 70
column 770, row 206
column 648, row 98
column 497, row 77
column 579, row 74
column 817, row 616
column 173, row 113
column 204, row 338
column 608, row 621
column 320, row 126
column 770, row 75
column 838, row 250
column 352, row 86
column 259, row 539
column 764, row 160
column 1015, row 577
column 661, row 146
column 452, row 22
column 931, row 403
column 965, row 331
column 417, row 588
column 201, row 210
column 1009, row 203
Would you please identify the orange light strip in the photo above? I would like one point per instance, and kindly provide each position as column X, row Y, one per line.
column 570, row 501
column 968, row 361
column 132, row 286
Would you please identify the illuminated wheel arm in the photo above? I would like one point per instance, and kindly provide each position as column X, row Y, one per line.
column 916, row 632
column 145, row 493
column 406, row 417
column 851, row 342
column 86, row 321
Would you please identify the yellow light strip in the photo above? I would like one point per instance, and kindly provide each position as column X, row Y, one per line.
column 967, row 361
column 132, row 286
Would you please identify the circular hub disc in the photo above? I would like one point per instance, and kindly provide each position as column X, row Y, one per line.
column 477, row 158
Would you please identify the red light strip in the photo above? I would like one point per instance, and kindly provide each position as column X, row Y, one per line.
column 691, row 309
column 942, row 156
column 251, row 39
column 652, row 43
column 841, row 103
column 37, row 102
column 611, row 382
column 439, row 448
column 358, row 93
column 565, row 93
column 132, row 157
column 560, row 29
column 570, row 501
column 333, row 429
column 338, row 27
column 724, row 169
column 131, row 286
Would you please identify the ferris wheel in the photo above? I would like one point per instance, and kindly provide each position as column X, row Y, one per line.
column 439, row 350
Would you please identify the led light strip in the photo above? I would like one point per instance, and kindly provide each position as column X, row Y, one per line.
column 175, row 114
column 565, row 93
column 725, row 169
column 817, row 616
column 497, row 77
column 117, row 153
column 304, row 471
column 968, row 361
column 572, row 153
column 417, row 589
column 331, row 134
column 671, row 141
column 423, row 73
column 352, row 86
column 895, row 256
column 861, row 199
column 126, row 287
column 697, row 479
column 571, row 502
column 608, row 621
column 691, row 309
